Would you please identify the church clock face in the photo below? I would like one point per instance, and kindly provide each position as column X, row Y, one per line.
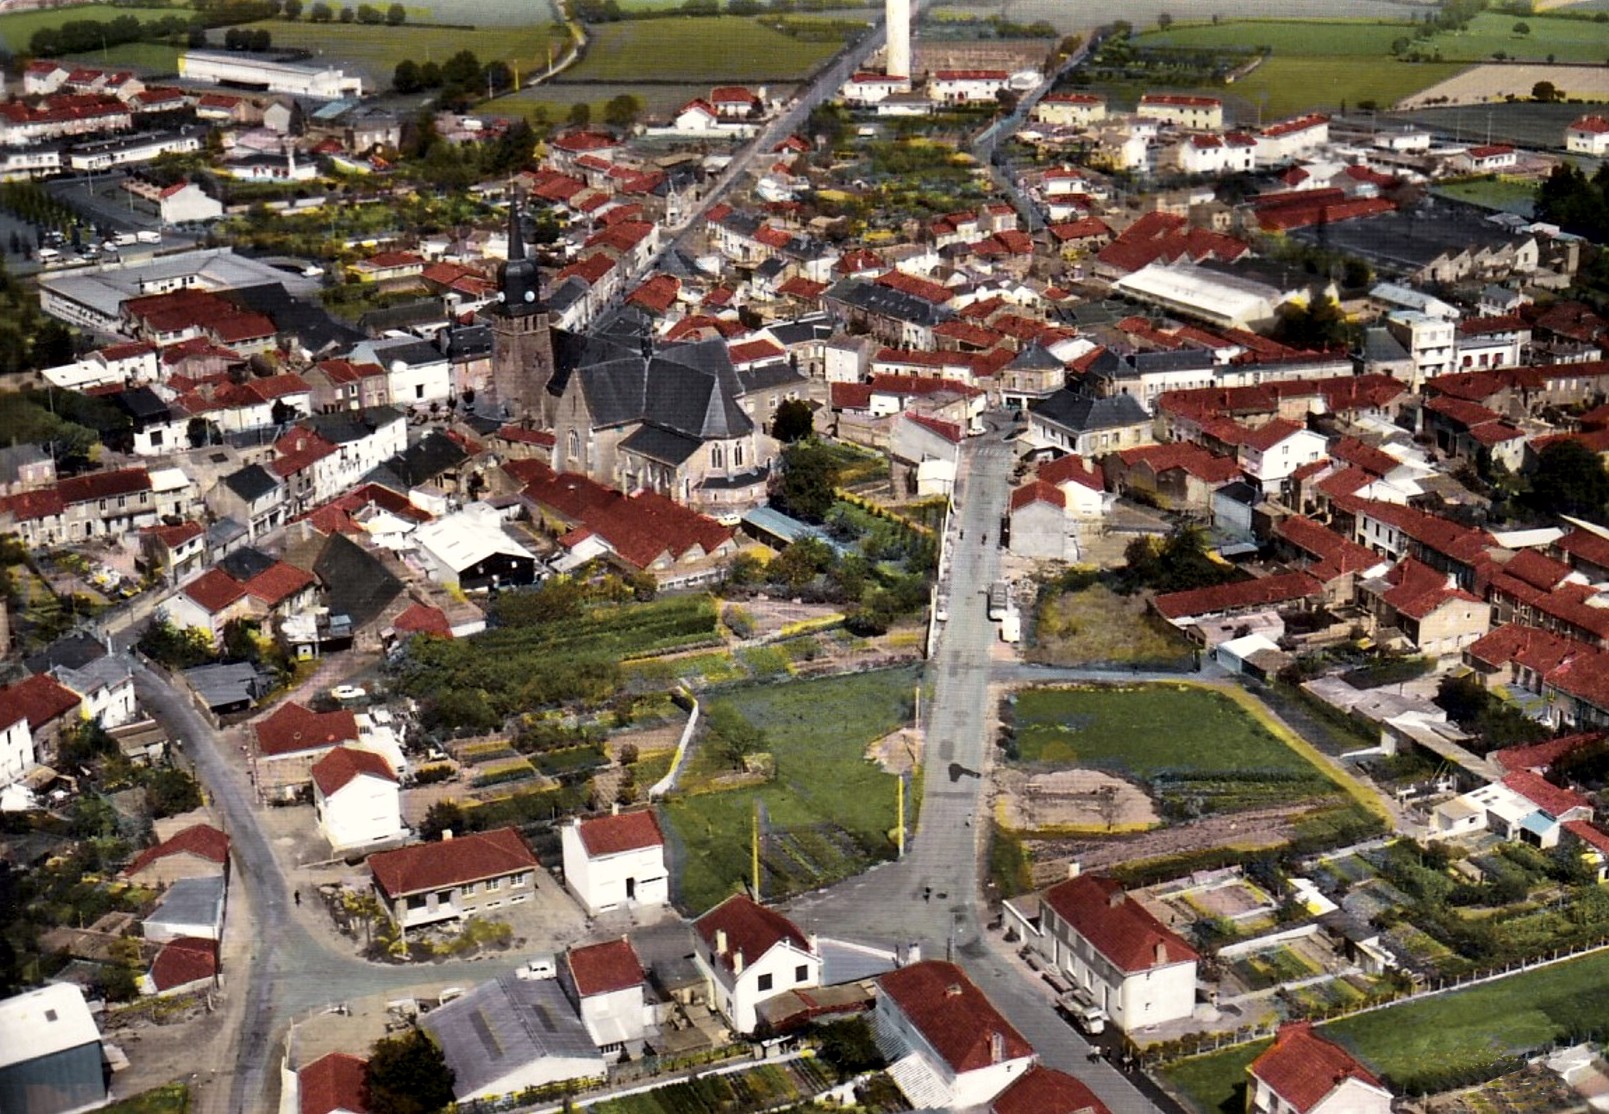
column 530, row 295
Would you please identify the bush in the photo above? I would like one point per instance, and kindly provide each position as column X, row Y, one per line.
column 738, row 620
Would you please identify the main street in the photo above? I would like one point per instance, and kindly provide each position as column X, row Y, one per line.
column 933, row 895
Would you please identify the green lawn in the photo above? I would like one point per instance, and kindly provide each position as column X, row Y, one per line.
column 554, row 101
column 1465, row 1030
column 17, row 28
column 829, row 810
column 375, row 50
column 148, row 58
column 696, row 49
column 1568, row 40
column 171, row 1099
column 1494, row 193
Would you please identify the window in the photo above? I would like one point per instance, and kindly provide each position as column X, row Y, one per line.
column 737, row 456
column 493, row 884
column 419, row 390
column 573, row 444
column 765, row 982
column 520, row 880
column 717, row 457
column 801, row 973
column 469, row 888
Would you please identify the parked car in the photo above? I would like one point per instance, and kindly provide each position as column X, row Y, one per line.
column 538, row 968
column 345, row 693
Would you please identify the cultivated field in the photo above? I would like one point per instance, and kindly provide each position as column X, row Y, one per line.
column 1463, row 1029
column 828, row 810
column 1077, row 15
column 1067, row 801
column 1098, row 625
column 553, row 101
column 1483, row 84
column 1305, row 37
column 375, row 50
column 1526, row 123
column 695, row 49
column 1567, row 40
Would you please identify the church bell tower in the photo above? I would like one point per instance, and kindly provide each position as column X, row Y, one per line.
column 522, row 341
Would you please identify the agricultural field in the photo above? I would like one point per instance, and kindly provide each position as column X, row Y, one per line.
column 1492, row 84
column 761, row 1088
column 1196, row 748
column 1308, row 38
column 17, row 28
column 553, row 101
column 1082, row 15
column 375, row 50
column 154, row 59
column 1462, row 1031
column 695, row 49
column 1505, row 194
column 1526, row 123
column 828, row 810
column 1567, row 40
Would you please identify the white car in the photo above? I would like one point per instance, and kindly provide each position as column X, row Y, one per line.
column 538, row 968
column 348, row 692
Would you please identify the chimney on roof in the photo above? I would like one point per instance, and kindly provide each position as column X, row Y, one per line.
column 1074, row 868
column 997, row 1046
column 446, row 835
column 1116, row 899
column 1161, row 952
column 953, row 990
column 720, row 941
column 737, row 962
column 614, row 809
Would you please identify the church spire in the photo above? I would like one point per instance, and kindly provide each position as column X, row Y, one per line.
column 516, row 239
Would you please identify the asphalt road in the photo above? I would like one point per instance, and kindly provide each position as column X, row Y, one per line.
column 933, row 896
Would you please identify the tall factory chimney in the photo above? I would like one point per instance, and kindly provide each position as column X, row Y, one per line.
column 898, row 19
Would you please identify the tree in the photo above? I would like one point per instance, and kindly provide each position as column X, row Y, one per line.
column 396, row 15
column 170, row 792
column 320, row 12
column 1522, row 28
column 1164, row 21
column 405, row 78
column 805, row 488
column 441, row 817
column 580, row 114
column 793, row 422
column 729, row 735
column 622, row 111
column 407, row 1075
column 1544, row 91
column 368, row 13
column 346, row 15
column 1570, row 479
column 293, row 9
column 800, row 562
column 849, row 1047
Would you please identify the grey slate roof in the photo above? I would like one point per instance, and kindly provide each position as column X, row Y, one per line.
column 221, row 686
column 191, row 901
column 245, row 563
column 421, row 463
column 762, row 377
column 663, row 445
column 690, row 389
column 500, row 1026
column 1082, row 414
column 1035, row 358
column 355, row 582
column 72, row 651
column 13, row 458
column 817, row 326
column 251, row 482
column 351, row 425
column 885, row 301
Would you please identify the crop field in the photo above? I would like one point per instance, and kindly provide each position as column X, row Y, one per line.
column 1289, row 86
column 1188, row 743
column 1308, row 38
column 553, row 100
column 1464, row 1029
column 1506, row 194
column 375, row 50
column 17, row 28
column 1567, row 40
column 695, row 49
column 760, row 1088
column 1081, row 15
column 828, row 810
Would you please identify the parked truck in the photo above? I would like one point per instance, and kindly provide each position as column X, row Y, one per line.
column 999, row 599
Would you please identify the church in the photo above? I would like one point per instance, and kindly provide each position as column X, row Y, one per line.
column 679, row 419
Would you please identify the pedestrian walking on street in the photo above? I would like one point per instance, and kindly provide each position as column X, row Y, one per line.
column 297, row 895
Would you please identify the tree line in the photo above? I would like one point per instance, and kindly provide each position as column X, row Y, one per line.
column 610, row 11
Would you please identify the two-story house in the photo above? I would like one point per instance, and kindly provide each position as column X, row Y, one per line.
column 1302, row 1073
column 456, row 877
column 356, row 799
column 748, row 953
column 604, row 983
column 955, row 1050
column 615, row 861
column 1134, row 967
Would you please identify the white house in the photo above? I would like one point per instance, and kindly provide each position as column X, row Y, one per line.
column 1197, row 113
column 1205, row 153
column 1302, row 1073
column 605, row 983
column 1289, row 139
column 331, row 1084
column 1135, row 968
column 356, row 799
column 869, row 88
column 1273, row 451
column 1431, row 341
column 16, row 746
column 185, row 202
column 1588, row 135
column 958, row 1051
column 1039, row 526
column 417, row 373
column 611, row 861
column 1081, row 483
column 105, row 688
column 748, row 953
column 967, row 86
column 1487, row 159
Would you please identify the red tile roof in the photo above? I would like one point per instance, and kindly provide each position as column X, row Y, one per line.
column 1037, row 491
column 916, row 287
column 1047, row 1091
column 421, row 618
column 1267, row 436
column 1116, row 925
column 750, row 928
column 1072, row 468
column 956, row 1018
column 1539, row 757
column 175, row 536
column 332, row 1083
column 182, row 961
column 1325, row 544
column 658, row 294
column 1586, row 833
column 1541, row 792
column 1265, row 592
column 214, row 590
column 342, row 765
column 1537, row 570
column 39, row 699
column 1420, row 590
column 624, row 831
column 201, row 840
column 1187, row 456
column 1303, row 1068
column 278, row 583
column 950, row 431
column 291, row 728
column 850, row 396
column 451, row 862
column 602, row 968
column 1365, row 456
column 1593, row 549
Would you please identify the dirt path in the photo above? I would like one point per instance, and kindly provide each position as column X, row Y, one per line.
column 1267, row 827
